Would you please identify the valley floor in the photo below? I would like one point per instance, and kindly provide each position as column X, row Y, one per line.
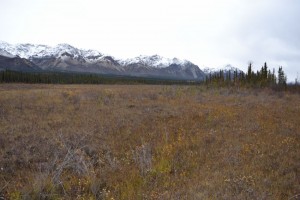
column 148, row 142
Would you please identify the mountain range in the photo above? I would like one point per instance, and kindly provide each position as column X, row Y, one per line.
column 66, row 58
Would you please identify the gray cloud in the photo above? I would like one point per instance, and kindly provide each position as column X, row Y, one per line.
column 266, row 31
column 209, row 33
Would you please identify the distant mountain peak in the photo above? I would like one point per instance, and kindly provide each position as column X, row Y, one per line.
column 156, row 61
column 65, row 45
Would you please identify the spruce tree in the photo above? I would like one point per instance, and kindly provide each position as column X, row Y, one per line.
column 249, row 73
column 281, row 77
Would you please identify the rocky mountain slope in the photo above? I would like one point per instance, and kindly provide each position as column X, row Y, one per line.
column 12, row 62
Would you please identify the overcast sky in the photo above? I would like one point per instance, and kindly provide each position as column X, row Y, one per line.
column 210, row 33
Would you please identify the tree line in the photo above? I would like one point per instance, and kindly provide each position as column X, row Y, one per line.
column 261, row 78
column 9, row 76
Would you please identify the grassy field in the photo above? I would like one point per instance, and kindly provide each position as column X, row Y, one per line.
column 148, row 142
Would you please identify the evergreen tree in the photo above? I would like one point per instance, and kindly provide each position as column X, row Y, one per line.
column 249, row 73
column 281, row 77
column 265, row 71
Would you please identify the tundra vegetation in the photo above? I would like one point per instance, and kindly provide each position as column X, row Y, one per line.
column 148, row 142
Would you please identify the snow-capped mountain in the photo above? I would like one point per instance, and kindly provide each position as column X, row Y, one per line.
column 162, row 67
column 64, row 57
column 22, row 50
column 39, row 51
column 153, row 61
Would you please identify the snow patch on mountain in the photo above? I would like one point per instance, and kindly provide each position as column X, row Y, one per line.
column 6, row 54
column 22, row 50
column 153, row 61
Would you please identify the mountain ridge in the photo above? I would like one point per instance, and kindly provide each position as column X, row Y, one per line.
column 65, row 57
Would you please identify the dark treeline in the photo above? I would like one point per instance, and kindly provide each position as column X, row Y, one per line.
column 262, row 78
column 8, row 76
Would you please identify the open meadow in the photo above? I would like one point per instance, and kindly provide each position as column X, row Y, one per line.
column 148, row 142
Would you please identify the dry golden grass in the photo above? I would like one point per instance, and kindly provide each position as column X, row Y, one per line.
column 148, row 142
